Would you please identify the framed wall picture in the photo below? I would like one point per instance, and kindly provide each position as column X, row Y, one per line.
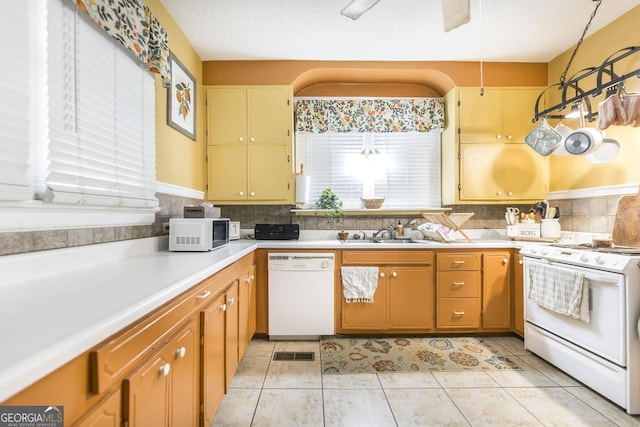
column 181, row 99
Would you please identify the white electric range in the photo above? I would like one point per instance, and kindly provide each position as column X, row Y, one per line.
column 603, row 353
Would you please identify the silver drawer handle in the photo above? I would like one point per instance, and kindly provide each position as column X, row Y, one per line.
column 458, row 313
column 458, row 262
column 458, row 283
column 204, row 295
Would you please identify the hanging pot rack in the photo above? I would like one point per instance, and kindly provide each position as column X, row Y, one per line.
column 606, row 80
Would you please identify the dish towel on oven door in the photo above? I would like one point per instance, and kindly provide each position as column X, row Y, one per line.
column 560, row 290
column 359, row 283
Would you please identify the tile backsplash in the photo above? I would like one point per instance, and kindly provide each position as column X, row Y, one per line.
column 595, row 215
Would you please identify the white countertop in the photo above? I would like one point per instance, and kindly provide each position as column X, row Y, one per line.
column 55, row 305
column 46, row 322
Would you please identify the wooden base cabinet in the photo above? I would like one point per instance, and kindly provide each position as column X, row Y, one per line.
column 213, row 385
column 247, row 309
column 367, row 316
column 165, row 387
column 410, row 291
column 231, row 360
column 496, row 292
column 458, row 290
column 403, row 299
column 105, row 414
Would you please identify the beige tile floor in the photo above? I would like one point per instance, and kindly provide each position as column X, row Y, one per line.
column 295, row 393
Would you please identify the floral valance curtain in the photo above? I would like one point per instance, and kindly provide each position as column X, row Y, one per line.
column 132, row 24
column 320, row 115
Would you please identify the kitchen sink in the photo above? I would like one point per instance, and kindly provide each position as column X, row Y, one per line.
column 378, row 241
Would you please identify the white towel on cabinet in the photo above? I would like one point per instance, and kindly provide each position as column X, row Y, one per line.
column 359, row 283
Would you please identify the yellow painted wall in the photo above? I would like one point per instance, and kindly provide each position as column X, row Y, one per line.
column 179, row 159
column 576, row 172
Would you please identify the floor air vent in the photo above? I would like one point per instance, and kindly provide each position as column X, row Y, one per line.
column 294, row 355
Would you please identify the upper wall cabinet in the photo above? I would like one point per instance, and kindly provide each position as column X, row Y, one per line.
column 488, row 161
column 239, row 114
column 250, row 144
column 500, row 115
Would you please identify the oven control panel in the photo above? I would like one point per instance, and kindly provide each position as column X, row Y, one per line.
column 580, row 257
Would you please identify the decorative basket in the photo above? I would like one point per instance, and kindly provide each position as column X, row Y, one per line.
column 373, row 202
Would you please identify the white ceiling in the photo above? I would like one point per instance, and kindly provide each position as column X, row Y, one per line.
column 393, row 30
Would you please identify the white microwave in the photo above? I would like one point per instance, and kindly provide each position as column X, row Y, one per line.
column 198, row 234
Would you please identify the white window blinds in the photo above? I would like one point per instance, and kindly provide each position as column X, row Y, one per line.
column 406, row 171
column 101, row 117
column 17, row 84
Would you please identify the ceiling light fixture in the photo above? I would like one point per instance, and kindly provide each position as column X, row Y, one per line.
column 356, row 8
column 369, row 150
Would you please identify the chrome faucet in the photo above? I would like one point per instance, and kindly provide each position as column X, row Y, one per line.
column 388, row 230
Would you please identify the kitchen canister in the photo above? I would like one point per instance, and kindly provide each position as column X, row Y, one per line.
column 550, row 229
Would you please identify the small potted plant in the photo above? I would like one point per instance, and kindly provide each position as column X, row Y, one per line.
column 331, row 204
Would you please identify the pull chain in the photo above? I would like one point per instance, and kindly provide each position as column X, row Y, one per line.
column 584, row 33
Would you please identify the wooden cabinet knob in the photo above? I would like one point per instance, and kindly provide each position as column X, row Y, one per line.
column 181, row 352
column 164, row 370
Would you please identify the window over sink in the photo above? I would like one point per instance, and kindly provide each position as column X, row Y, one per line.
column 404, row 168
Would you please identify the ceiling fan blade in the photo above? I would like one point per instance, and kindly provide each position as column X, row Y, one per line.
column 454, row 13
column 356, row 8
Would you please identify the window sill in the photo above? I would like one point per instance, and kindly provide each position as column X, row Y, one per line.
column 372, row 212
column 35, row 216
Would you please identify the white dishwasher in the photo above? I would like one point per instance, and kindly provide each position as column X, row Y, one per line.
column 300, row 295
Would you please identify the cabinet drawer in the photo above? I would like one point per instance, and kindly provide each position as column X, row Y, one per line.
column 116, row 356
column 375, row 257
column 458, row 261
column 458, row 284
column 458, row 313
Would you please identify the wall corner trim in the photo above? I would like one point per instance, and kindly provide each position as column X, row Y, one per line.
column 176, row 190
column 583, row 193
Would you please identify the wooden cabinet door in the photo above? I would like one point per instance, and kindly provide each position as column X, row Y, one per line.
column 212, row 330
column 247, row 310
column 104, row 414
column 518, row 108
column 268, row 172
column 231, row 334
column 518, row 309
column 410, row 297
column 480, row 116
column 496, row 294
column 226, row 116
column 481, row 171
column 525, row 173
column 227, row 172
column 146, row 394
column 368, row 316
column 269, row 112
column 185, row 376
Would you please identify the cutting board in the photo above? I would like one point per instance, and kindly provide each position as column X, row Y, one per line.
column 626, row 229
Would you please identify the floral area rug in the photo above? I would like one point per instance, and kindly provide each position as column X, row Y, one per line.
column 342, row 355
